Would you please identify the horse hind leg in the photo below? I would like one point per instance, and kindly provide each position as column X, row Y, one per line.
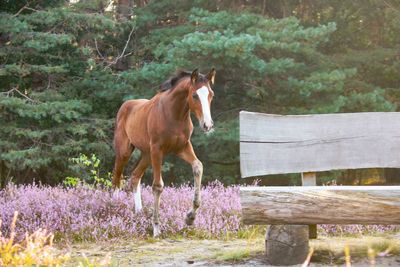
column 123, row 150
column 158, row 185
column 136, row 176
column 120, row 161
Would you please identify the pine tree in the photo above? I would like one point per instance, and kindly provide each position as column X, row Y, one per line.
column 66, row 68
column 263, row 64
column 52, row 106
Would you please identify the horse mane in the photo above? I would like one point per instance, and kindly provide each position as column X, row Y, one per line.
column 173, row 81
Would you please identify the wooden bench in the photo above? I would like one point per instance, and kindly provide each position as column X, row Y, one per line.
column 306, row 144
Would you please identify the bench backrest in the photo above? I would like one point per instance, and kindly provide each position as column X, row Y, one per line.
column 275, row 144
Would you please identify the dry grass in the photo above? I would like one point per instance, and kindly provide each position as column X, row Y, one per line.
column 327, row 251
column 333, row 249
column 36, row 250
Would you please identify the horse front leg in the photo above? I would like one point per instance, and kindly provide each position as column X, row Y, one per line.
column 136, row 176
column 197, row 168
column 158, row 185
column 189, row 156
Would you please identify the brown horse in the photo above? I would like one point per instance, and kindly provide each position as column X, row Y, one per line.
column 161, row 126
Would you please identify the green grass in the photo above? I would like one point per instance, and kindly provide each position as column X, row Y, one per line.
column 232, row 255
column 194, row 234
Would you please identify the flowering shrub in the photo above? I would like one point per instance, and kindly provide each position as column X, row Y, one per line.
column 339, row 230
column 94, row 213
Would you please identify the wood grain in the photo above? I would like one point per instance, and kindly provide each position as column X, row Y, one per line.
column 274, row 144
column 321, row 205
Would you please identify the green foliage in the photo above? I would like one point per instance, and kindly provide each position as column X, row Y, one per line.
column 47, row 118
column 88, row 171
column 278, row 70
column 66, row 68
column 13, row 6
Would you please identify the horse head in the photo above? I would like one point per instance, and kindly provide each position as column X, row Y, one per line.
column 200, row 98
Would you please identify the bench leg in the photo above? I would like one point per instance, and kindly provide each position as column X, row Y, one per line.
column 287, row 244
column 312, row 228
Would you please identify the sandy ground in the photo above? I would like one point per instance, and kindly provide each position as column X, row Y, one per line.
column 238, row 252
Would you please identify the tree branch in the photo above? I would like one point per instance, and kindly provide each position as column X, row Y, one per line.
column 15, row 89
column 123, row 51
column 22, row 9
column 391, row 6
column 25, row 7
column 97, row 49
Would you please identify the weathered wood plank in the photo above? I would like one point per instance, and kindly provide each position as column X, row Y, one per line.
column 321, row 205
column 364, row 152
column 273, row 144
column 263, row 127
column 308, row 179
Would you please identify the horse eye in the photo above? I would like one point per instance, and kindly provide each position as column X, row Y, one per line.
column 195, row 96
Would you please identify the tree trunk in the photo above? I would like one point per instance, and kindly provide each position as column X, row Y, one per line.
column 124, row 8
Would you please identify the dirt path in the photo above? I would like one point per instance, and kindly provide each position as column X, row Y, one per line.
column 239, row 252
column 169, row 252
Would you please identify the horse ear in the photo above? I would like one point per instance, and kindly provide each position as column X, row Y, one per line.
column 211, row 76
column 194, row 76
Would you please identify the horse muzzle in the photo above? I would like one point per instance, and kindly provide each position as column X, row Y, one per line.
column 207, row 127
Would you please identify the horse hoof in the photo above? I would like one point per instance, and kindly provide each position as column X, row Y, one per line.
column 115, row 193
column 138, row 210
column 190, row 218
column 156, row 231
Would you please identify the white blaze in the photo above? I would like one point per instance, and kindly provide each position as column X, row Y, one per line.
column 203, row 95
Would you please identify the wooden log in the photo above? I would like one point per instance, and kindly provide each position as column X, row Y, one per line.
column 274, row 144
column 321, row 205
column 286, row 244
